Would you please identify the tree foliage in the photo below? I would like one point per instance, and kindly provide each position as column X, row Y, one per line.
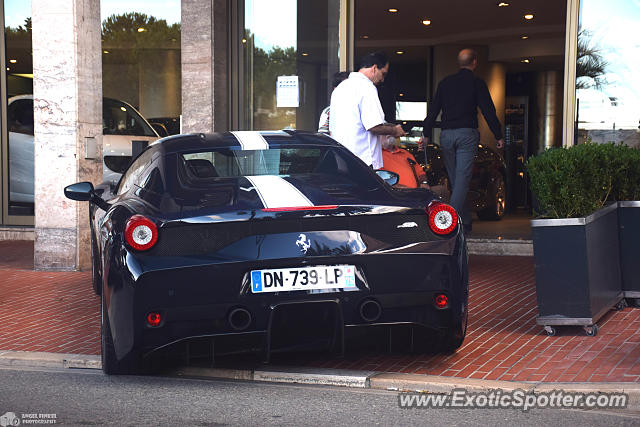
column 124, row 32
column 591, row 66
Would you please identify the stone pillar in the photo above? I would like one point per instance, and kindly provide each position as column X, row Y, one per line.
column 205, row 60
column 67, row 90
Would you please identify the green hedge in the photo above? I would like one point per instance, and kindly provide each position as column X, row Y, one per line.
column 577, row 181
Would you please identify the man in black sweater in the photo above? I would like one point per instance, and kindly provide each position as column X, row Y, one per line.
column 459, row 96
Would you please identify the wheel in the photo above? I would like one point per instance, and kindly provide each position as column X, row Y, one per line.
column 550, row 330
column 452, row 338
column 110, row 363
column 96, row 276
column 621, row 305
column 591, row 331
column 496, row 200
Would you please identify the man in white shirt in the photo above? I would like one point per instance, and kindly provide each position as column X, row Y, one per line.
column 357, row 119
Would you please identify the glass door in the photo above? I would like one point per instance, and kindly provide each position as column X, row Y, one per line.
column 287, row 53
column 17, row 166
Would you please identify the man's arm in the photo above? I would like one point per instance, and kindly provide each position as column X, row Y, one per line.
column 489, row 111
column 434, row 110
column 388, row 129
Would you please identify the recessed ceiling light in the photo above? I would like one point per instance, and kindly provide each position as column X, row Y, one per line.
column 528, row 16
column 503, row 4
column 244, row 40
column 123, row 109
column 393, row 10
column 8, row 68
column 105, row 51
column 401, row 94
column 140, row 30
column 305, row 54
column 399, row 52
column 524, row 37
column 13, row 61
column 525, row 61
column 426, row 22
column 365, row 37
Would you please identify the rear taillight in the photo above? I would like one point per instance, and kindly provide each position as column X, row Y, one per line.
column 140, row 233
column 441, row 301
column 443, row 219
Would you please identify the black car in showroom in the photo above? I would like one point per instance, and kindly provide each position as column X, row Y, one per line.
column 487, row 195
column 269, row 234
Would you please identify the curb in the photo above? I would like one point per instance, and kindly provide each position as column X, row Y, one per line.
column 396, row 382
column 49, row 360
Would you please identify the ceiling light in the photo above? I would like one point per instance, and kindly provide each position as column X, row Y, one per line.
column 140, row 30
column 401, row 94
column 123, row 109
column 244, row 40
column 426, row 22
column 399, row 52
column 503, row 4
column 365, row 37
column 305, row 54
column 524, row 37
column 13, row 61
column 528, row 16
column 105, row 51
column 8, row 68
column 525, row 61
column 393, row 10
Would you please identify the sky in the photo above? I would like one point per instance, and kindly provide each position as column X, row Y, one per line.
column 271, row 22
column 17, row 10
column 613, row 25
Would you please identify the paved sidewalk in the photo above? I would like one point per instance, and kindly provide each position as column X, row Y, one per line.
column 58, row 313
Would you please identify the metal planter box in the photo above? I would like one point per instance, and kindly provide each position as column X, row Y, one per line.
column 629, row 226
column 577, row 268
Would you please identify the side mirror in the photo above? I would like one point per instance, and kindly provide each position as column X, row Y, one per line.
column 80, row 191
column 84, row 192
column 389, row 177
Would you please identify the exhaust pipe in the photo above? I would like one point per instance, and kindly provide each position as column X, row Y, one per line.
column 239, row 319
column 370, row 310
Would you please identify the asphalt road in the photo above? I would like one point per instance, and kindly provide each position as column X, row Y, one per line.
column 85, row 397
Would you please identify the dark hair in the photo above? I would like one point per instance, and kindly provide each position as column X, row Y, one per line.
column 374, row 58
column 339, row 77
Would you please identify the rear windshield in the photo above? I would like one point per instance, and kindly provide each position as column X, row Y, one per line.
column 226, row 163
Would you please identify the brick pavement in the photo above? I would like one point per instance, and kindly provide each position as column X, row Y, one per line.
column 58, row 312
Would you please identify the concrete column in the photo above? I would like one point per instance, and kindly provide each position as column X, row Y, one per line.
column 67, row 90
column 205, row 60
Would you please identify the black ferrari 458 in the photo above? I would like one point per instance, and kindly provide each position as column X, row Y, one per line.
column 267, row 234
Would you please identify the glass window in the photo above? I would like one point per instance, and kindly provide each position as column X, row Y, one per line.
column 19, row 188
column 141, row 64
column 290, row 53
column 608, row 80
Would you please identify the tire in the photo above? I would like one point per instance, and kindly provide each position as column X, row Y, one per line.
column 496, row 200
column 452, row 338
column 110, row 363
column 96, row 276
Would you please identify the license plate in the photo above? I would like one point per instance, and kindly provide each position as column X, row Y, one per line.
column 303, row 278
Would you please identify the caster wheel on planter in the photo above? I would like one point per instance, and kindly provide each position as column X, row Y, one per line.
column 591, row 331
column 551, row 331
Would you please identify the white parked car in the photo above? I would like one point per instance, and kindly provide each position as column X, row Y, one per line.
column 121, row 124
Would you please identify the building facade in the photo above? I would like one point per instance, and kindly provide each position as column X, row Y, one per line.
column 560, row 72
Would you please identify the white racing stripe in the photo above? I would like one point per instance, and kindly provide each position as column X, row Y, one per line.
column 250, row 140
column 276, row 192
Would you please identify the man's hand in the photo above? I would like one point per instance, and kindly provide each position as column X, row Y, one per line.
column 500, row 143
column 422, row 142
column 398, row 131
column 388, row 129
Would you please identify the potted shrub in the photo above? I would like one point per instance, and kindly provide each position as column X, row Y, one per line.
column 576, row 239
column 627, row 191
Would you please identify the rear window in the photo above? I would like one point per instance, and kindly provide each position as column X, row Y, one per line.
column 119, row 118
column 226, row 163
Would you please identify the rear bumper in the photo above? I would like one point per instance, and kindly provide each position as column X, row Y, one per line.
column 197, row 301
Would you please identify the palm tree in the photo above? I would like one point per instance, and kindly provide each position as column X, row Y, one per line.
column 591, row 65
